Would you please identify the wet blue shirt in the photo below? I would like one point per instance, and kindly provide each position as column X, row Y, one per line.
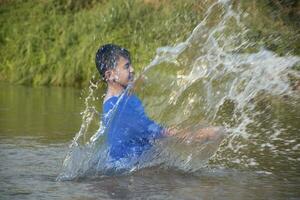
column 129, row 130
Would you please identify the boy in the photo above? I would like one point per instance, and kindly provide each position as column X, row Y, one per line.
column 130, row 132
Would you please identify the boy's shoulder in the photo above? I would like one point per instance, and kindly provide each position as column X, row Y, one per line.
column 135, row 100
column 130, row 100
column 109, row 103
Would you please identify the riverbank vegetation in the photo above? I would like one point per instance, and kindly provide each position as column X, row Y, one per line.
column 53, row 42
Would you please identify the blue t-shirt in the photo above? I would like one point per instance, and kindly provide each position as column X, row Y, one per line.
column 129, row 130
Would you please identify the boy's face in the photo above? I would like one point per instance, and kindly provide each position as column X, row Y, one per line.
column 123, row 72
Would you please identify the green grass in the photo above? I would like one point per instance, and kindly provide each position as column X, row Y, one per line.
column 274, row 24
column 54, row 42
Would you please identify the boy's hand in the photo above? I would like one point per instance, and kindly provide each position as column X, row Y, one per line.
column 170, row 131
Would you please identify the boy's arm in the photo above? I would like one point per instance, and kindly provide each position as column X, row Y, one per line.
column 156, row 131
column 201, row 135
column 140, row 121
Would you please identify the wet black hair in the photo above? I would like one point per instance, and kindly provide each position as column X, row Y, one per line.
column 107, row 57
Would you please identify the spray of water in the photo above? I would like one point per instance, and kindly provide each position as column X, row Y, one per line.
column 214, row 77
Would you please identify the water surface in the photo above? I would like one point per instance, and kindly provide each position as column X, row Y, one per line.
column 37, row 125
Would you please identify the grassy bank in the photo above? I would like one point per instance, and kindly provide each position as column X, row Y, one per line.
column 53, row 42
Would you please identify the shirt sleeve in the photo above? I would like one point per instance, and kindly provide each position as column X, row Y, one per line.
column 148, row 128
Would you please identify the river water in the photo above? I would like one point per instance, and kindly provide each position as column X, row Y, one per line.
column 37, row 125
column 50, row 137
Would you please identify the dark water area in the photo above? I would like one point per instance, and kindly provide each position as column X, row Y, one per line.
column 37, row 125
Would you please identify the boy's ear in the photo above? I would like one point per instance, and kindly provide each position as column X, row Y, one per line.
column 108, row 75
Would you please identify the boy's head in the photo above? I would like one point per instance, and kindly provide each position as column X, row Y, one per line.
column 108, row 57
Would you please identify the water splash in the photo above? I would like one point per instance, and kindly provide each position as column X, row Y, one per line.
column 87, row 116
column 215, row 77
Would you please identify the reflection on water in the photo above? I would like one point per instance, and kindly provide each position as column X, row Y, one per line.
column 50, row 113
column 30, row 162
